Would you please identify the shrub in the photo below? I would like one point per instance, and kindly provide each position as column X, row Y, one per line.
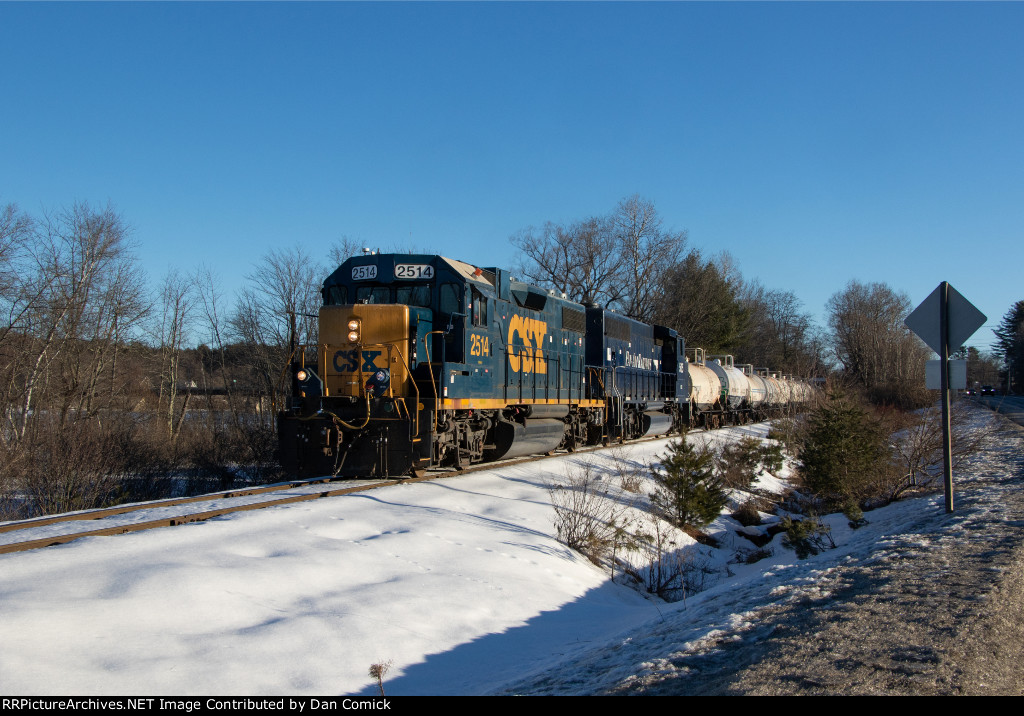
column 747, row 514
column 631, row 473
column 738, row 463
column 378, row 671
column 688, row 491
column 854, row 514
column 787, row 431
column 741, row 463
column 917, row 446
column 770, row 457
column 903, row 394
column 806, row 537
column 586, row 520
column 844, row 450
column 669, row 571
column 750, row 555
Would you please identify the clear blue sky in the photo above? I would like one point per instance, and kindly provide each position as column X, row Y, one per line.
column 817, row 142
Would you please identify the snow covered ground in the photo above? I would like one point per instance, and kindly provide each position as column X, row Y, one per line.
column 458, row 583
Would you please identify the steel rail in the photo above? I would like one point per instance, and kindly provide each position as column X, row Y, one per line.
column 292, row 499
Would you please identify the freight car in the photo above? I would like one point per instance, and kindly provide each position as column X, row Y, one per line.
column 426, row 361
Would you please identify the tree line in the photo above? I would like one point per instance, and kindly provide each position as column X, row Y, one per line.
column 628, row 261
column 115, row 388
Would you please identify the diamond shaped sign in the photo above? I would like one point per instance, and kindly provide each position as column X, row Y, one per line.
column 964, row 320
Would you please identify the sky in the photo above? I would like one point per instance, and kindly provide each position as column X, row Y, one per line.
column 817, row 143
column 460, row 583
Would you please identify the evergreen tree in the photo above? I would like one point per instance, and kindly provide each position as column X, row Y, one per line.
column 689, row 493
column 1010, row 344
column 844, row 449
column 701, row 300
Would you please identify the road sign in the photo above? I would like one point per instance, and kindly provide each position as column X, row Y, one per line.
column 964, row 320
column 944, row 321
column 957, row 374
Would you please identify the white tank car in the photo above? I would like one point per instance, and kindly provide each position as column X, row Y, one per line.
column 735, row 387
column 776, row 391
column 758, row 388
column 705, row 386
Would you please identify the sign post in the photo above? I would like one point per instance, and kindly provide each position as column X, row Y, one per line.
column 944, row 321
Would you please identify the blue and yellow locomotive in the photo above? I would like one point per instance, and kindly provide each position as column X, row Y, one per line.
column 425, row 361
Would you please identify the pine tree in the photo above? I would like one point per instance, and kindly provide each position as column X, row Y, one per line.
column 1011, row 343
column 845, row 447
column 689, row 494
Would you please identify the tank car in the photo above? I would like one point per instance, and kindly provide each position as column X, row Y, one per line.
column 758, row 392
column 704, row 392
column 735, row 387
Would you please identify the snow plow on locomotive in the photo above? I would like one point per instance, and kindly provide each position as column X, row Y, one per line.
column 424, row 361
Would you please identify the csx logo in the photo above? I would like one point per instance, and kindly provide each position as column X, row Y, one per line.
column 348, row 361
column 527, row 357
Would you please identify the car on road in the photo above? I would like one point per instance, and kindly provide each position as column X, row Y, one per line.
column 988, row 390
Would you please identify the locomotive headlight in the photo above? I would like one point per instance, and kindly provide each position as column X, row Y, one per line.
column 353, row 331
column 302, row 375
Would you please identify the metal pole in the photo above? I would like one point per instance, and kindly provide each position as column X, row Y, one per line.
column 947, row 464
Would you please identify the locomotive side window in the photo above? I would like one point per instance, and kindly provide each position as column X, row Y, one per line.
column 449, row 300
column 479, row 309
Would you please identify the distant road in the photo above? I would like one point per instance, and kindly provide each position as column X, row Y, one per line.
column 1012, row 406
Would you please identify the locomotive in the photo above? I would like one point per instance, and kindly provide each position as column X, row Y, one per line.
column 427, row 361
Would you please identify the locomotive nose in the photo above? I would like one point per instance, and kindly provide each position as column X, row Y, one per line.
column 366, row 349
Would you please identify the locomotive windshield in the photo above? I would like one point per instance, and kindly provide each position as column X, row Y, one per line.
column 413, row 295
column 406, row 294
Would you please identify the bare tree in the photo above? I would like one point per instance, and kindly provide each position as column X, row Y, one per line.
column 577, row 260
column 876, row 350
column 779, row 335
column 617, row 260
column 81, row 296
column 210, row 303
column 647, row 251
column 282, row 292
column 342, row 249
column 16, row 229
column 16, row 299
column 346, row 247
column 177, row 303
column 73, row 302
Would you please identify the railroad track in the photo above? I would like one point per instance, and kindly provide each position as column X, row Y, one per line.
column 66, row 528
